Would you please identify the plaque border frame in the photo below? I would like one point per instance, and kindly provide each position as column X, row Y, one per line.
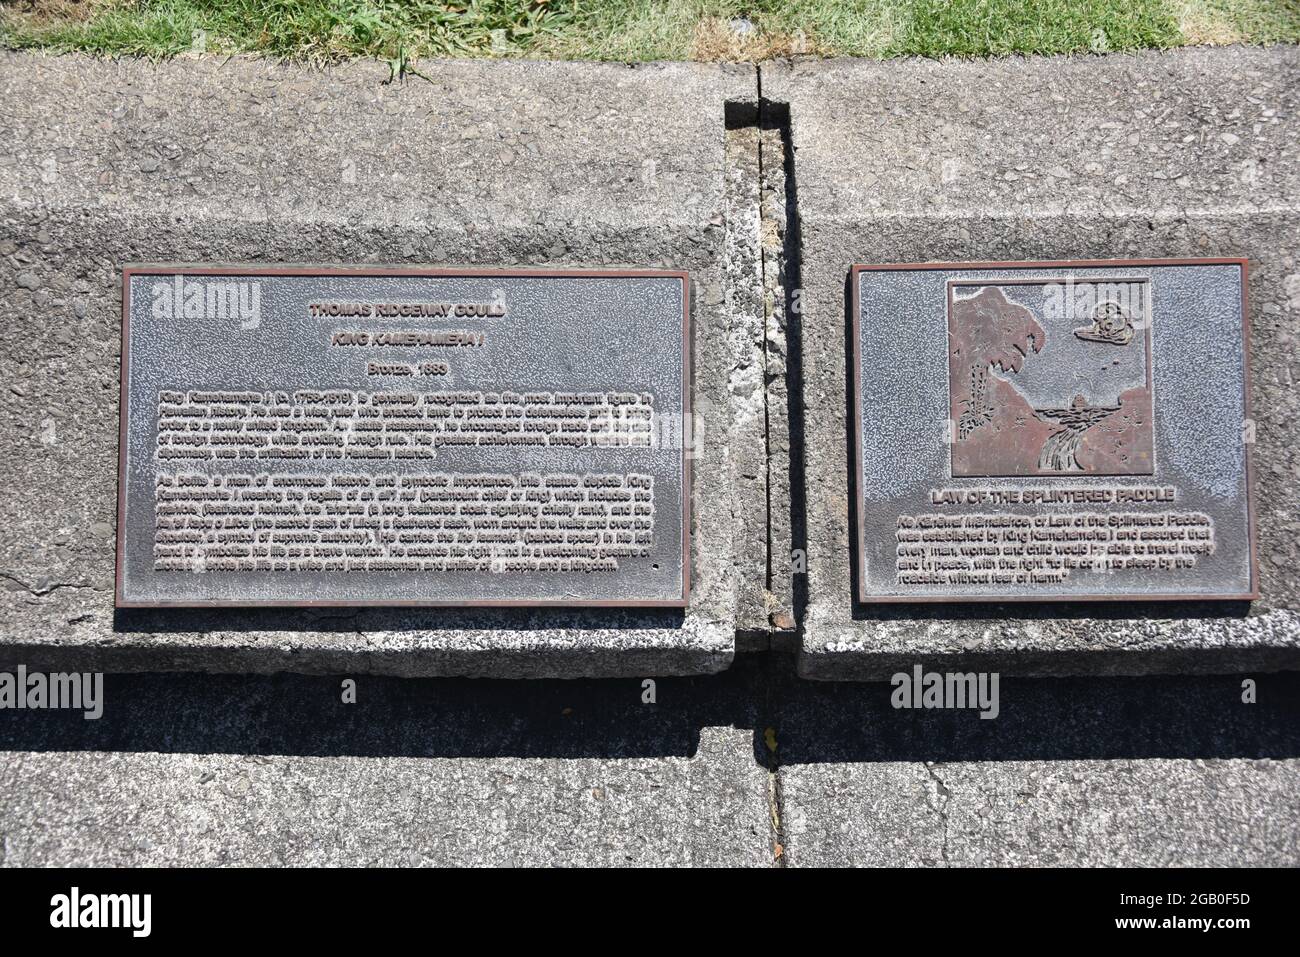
column 860, row 596
column 130, row 270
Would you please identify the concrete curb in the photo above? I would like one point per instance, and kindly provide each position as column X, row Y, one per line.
column 242, row 161
column 1186, row 153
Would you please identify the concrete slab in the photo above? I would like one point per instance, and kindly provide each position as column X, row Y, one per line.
column 244, row 161
column 1176, row 154
column 1141, row 772
column 1156, row 813
column 268, row 771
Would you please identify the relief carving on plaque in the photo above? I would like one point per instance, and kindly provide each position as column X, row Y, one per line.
column 1050, row 378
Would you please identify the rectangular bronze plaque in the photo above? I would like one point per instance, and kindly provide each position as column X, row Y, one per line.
column 1052, row 430
column 371, row 436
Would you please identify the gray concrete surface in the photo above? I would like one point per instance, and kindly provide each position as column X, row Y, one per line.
column 230, row 810
column 245, row 161
column 1158, row 813
column 274, row 770
column 1184, row 153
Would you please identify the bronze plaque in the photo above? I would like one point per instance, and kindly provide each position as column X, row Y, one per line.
column 373, row 436
column 1055, row 430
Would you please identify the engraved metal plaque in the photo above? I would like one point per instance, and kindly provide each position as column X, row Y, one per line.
column 403, row 437
column 1052, row 430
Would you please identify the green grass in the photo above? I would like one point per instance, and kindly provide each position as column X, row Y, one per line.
column 398, row 30
column 978, row 28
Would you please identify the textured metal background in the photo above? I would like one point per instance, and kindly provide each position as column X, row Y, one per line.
column 1199, row 369
column 572, row 332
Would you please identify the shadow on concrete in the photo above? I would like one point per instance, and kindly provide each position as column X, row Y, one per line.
column 1174, row 716
column 344, row 619
column 1040, row 718
column 412, row 717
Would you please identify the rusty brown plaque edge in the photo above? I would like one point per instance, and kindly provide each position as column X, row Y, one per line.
column 688, row 367
column 859, row 506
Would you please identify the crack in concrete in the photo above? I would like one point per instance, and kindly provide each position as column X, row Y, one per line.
column 943, row 796
column 48, row 589
column 770, row 724
column 765, row 312
column 784, row 355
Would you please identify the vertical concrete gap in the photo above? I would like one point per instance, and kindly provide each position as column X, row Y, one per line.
column 782, row 277
column 748, row 442
column 763, row 280
column 759, row 300
column 785, row 338
column 764, row 189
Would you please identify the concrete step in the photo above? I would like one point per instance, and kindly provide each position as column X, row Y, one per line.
column 1175, row 154
column 1189, row 153
column 245, row 161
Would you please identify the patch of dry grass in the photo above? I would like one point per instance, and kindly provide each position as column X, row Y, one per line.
column 44, row 12
column 725, row 41
column 1201, row 24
